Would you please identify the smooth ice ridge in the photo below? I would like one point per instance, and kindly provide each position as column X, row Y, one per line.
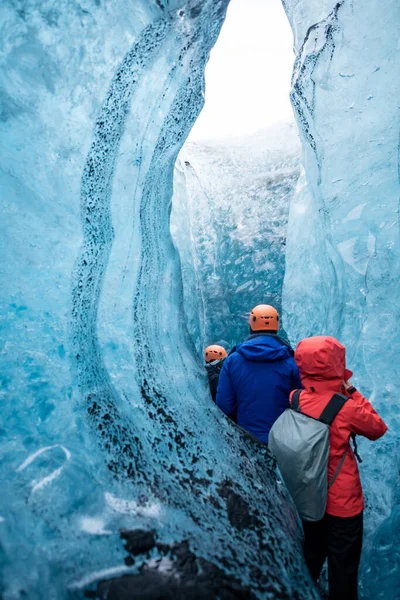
column 229, row 218
column 109, row 430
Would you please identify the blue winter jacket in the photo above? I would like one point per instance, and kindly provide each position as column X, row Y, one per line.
column 255, row 383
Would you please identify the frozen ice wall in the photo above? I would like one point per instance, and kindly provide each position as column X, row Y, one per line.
column 343, row 252
column 229, row 219
column 106, row 419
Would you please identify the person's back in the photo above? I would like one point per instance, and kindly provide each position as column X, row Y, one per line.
column 256, row 380
column 214, row 357
column 321, row 361
column 322, row 378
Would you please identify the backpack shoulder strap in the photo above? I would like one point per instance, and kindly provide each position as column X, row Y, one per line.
column 332, row 408
column 295, row 405
column 336, row 473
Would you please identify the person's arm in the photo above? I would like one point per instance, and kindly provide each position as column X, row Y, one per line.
column 226, row 398
column 296, row 381
column 364, row 420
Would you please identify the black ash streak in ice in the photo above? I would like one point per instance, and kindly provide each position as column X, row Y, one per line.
column 119, row 441
column 319, row 40
column 178, row 573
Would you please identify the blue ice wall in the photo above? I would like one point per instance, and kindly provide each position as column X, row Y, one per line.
column 106, row 419
column 229, row 219
column 342, row 261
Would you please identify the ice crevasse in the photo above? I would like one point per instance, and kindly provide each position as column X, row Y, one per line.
column 229, row 220
column 107, row 428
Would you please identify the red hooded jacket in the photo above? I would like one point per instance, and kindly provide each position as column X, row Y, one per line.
column 322, row 362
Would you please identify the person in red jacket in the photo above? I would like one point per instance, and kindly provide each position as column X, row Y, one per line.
column 338, row 536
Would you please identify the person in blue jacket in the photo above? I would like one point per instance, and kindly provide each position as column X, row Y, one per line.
column 257, row 378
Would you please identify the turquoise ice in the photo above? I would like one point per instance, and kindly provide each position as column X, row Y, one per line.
column 229, row 220
column 342, row 259
column 106, row 419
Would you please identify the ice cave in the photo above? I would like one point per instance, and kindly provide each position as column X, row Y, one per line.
column 120, row 478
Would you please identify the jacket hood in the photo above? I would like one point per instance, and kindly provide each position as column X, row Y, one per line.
column 263, row 348
column 321, row 359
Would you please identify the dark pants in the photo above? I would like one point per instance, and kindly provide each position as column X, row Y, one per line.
column 339, row 539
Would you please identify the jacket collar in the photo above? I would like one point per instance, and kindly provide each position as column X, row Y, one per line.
column 271, row 334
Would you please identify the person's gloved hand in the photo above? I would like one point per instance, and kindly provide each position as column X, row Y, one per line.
column 348, row 387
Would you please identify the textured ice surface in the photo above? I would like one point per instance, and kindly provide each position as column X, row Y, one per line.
column 343, row 253
column 229, row 219
column 106, row 421
column 106, row 418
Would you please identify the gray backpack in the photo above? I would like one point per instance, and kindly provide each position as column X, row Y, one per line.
column 300, row 444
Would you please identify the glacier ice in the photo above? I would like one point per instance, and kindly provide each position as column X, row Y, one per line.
column 108, row 430
column 342, row 259
column 107, row 424
column 229, row 219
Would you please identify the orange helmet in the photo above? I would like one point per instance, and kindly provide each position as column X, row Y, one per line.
column 264, row 318
column 214, row 352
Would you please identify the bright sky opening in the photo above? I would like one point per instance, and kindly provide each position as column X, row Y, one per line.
column 248, row 75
